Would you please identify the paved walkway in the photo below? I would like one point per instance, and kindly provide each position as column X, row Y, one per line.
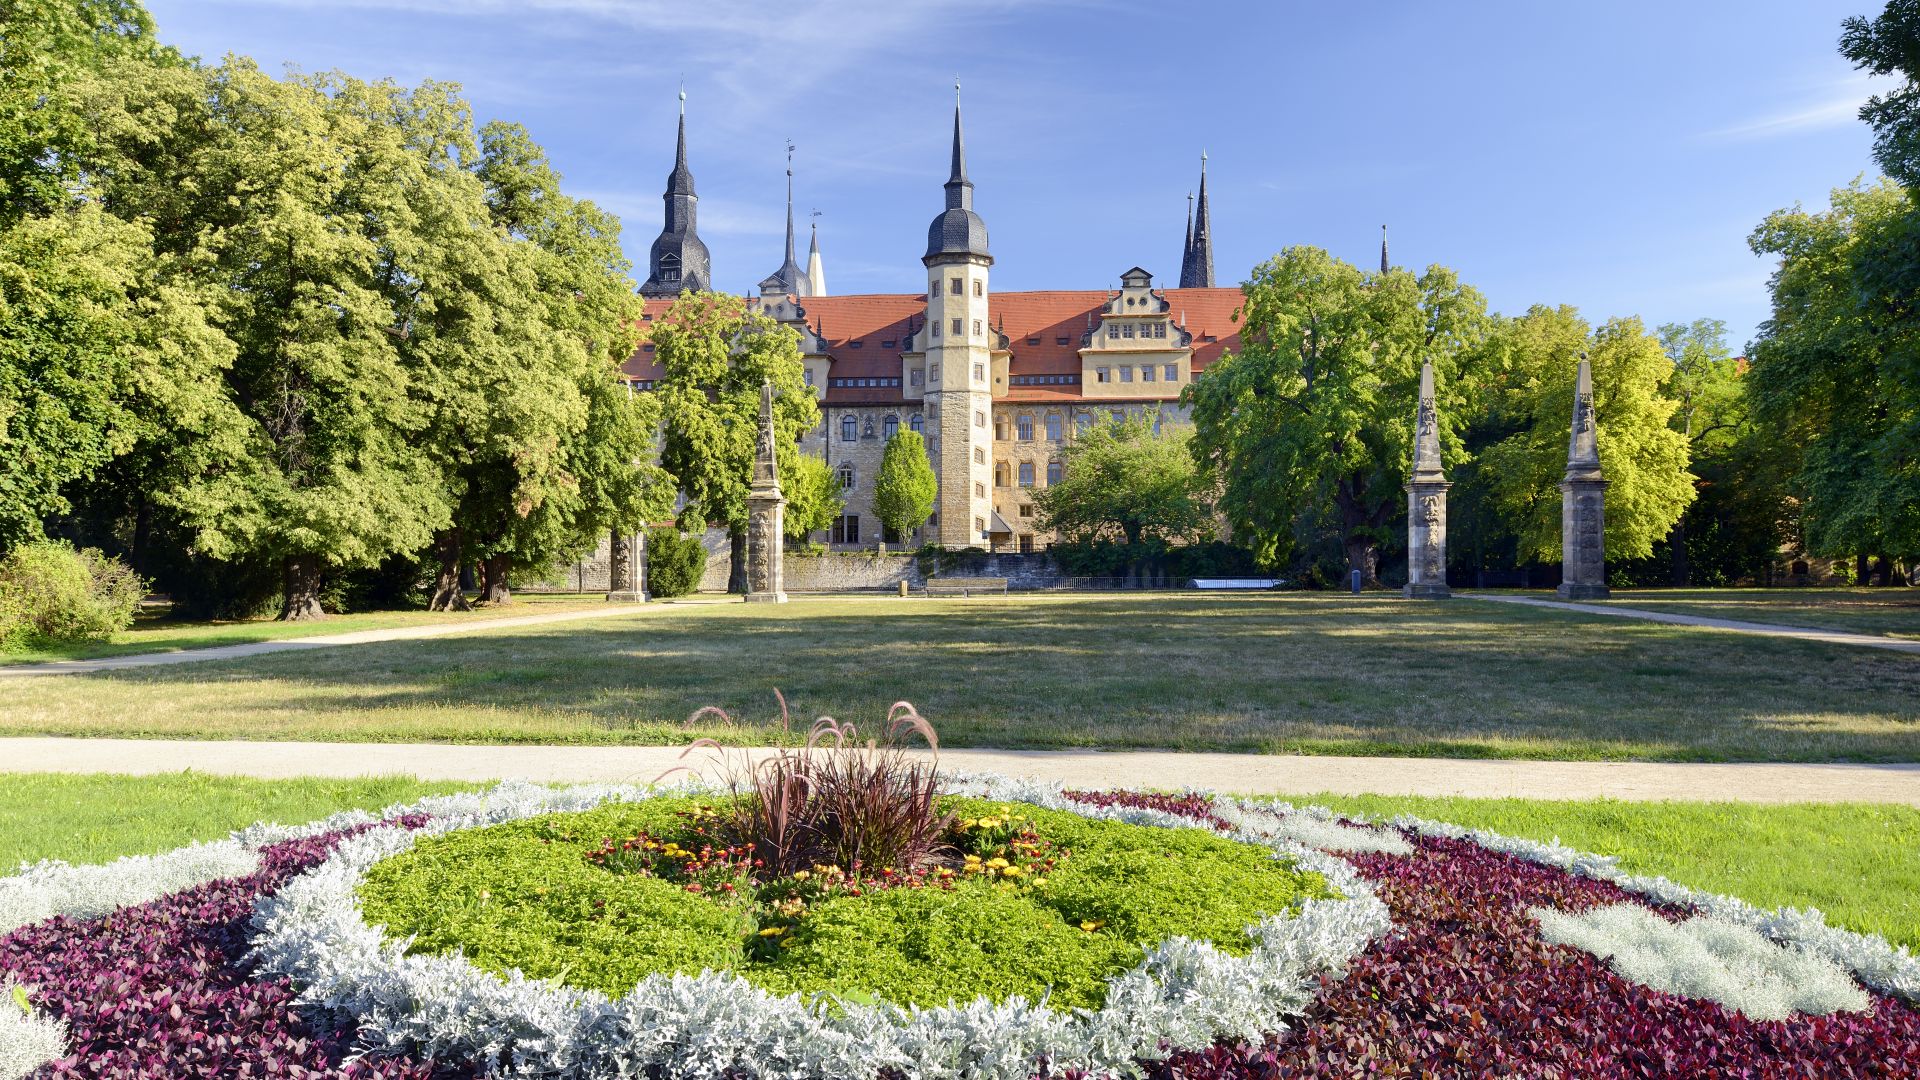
column 315, row 641
column 1247, row 773
column 1803, row 633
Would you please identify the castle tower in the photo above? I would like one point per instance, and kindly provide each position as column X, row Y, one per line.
column 679, row 259
column 1583, row 492
column 959, row 357
column 1426, row 499
column 1197, row 271
column 816, row 270
column 789, row 279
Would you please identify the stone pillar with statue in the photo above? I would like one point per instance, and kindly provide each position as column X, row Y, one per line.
column 766, row 515
column 1427, row 502
column 626, row 569
column 1583, row 515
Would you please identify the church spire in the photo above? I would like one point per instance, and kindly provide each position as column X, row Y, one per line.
column 958, row 230
column 816, row 270
column 678, row 260
column 789, row 279
column 1198, row 271
column 1186, row 245
column 1383, row 249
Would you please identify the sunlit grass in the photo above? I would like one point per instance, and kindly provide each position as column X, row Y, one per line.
column 1887, row 612
column 1274, row 674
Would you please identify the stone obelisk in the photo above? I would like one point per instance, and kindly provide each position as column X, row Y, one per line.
column 766, row 513
column 1583, row 514
column 1427, row 502
column 626, row 569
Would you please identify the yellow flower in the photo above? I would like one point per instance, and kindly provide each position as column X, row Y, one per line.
column 773, row 931
column 1090, row 925
column 801, row 875
column 1040, row 881
column 1011, row 871
column 997, row 862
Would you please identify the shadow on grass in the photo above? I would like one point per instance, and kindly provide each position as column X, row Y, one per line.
column 1267, row 674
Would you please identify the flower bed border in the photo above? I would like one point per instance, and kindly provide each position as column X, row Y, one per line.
column 1184, row 993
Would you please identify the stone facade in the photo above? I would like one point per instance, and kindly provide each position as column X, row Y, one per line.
column 998, row 384
column 1583, row 514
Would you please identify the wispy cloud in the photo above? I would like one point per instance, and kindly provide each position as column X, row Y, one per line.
column 1836, row 105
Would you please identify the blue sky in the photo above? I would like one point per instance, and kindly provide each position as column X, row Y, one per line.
column 1611, row 156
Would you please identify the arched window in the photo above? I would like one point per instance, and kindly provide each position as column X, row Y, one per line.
column 1054, row 472
column 1000, row 474
column 1024, row 426
column 846, row 478
column 1053, row 426
column 849, row 429
column 916, row 423
column 889, row 427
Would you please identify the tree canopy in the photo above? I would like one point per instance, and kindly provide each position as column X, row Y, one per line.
column 903, row 493
column 1124, row 481
column 1310, row 424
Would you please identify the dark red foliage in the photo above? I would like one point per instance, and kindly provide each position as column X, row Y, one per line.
column 1464, row 987
column 1197, row 807
column 160, row 991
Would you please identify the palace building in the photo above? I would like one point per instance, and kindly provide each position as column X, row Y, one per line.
column 998, row 383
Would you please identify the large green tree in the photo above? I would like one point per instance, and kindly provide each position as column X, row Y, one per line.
column 1644, row 459
column 1309, row 424
column 1729, row 522
column 1836, row 368
column 715, row 355
column 1889, row 44
column 904, row 491
column 812, row 491
column 1124, row 482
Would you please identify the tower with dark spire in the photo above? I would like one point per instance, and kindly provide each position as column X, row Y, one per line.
column 790, row 278
column 1196, row 269
column 1186, row 245
column 959, row 342
column 1383, row 249
column 678, row 260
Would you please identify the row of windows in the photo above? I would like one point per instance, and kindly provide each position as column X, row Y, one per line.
column 1044, row 380
column 850, row 426
column 1125, row 330
column 955, row 287
column 1148, row 373
column 876, row 381
column 1025, row 471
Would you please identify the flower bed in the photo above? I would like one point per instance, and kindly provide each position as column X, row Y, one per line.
column 1434, row 964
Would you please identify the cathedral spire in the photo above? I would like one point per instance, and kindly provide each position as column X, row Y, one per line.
column 1198, row 271
column 1186, row 246
column 678, row 260
column 1383, row 249
column 789, row 202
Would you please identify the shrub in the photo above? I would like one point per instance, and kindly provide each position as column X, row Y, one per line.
column 51, row 594
column 675, row 561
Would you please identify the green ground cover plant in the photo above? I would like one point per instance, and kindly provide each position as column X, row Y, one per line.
column 1019, row 901
column 1859, row 863
column 1287, row 673
column 95, row 817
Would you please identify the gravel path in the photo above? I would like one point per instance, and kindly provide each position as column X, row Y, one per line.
column 1803, row 633
column 1246, row 773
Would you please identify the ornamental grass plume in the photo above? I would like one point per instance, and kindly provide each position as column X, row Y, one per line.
column 837, row 799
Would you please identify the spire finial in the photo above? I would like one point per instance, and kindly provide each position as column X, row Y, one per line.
column 956, row 91
column 683, row 97
column 789, row 204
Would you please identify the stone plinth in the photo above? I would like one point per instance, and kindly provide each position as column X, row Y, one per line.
column 1427, row 541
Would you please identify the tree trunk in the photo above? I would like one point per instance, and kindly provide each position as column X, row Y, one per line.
column 142, row 529
column 1860, row 569
column 493, row 586
column 737, row 561
column 447, row 593
column 1682, row 573
column 1883, row 571
column 1363, row 555
column 301, row 597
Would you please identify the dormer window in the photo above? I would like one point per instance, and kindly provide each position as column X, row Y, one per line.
column 855, row 344
column 1058, row 341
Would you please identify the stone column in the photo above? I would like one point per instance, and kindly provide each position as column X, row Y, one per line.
column 624, row 578
column 766, row 516
column 1583, row 514
column 1427, row 502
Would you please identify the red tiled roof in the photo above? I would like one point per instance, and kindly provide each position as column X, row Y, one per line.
column 879, row 323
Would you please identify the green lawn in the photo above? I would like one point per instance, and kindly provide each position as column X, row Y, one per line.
column 1891, row 613
column 153, row 631
column 1857, row 863
column 1287, row 673
column 94, row 817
